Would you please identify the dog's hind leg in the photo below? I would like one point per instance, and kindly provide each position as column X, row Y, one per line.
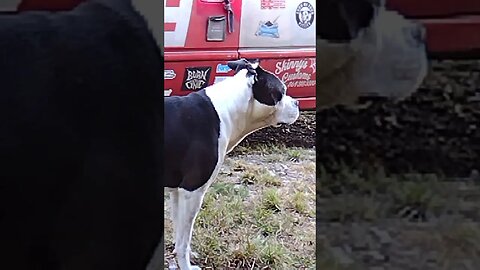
column 189, row 204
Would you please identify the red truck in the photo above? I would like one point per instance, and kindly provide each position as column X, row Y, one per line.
column 201, row 35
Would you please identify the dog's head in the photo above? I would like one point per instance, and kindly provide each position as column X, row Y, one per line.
column 268, row 94
column 371, row 51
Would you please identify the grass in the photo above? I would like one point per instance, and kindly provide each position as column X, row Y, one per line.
column 259, row 214
column 424, row 214
column 374, row 195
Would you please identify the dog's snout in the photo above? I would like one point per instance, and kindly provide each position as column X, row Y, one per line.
column 296, row 102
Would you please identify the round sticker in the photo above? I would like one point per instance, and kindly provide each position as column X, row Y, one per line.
column 305, row 15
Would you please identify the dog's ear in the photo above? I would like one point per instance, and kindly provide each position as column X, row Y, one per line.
column 243, row 63
column 250, row 65
column 255, row 63
column 237, row 64
column 342, row 20
column 267, row 89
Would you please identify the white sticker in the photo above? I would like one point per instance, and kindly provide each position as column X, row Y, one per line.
column 169, row 74
column 167, row 92
column 220, row 78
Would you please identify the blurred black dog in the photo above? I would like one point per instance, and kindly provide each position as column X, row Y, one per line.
column 80, row 138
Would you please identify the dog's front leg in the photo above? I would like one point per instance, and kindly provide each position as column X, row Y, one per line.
column 174, row 215
column 189, row 203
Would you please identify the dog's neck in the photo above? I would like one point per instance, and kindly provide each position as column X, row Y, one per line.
column 152, row 11
column 235, row 109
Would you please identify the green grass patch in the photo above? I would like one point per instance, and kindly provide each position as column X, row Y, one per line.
column 255, row 218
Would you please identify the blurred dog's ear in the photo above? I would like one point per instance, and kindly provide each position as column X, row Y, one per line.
column 243, row 63
column 340, row 21
column 255, row 63
column 237, row 64
column 250, row 65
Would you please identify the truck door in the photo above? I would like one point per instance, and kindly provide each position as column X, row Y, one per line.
column 200, row 36
column 282, row 33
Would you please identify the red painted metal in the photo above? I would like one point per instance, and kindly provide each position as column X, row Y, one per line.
column 307, row 104
column 276, row 53
column 453, row 26
column 270, row 62
column 179, row 68
column 172, row 3
column 303, row 94
column 169, row 27
column 196, row 35
column 434, row 8
column 193, row 55
column 197, row 52
column 461, row 34
column 53, row 5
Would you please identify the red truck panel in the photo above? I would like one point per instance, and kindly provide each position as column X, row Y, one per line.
column 453, row 35
column 453, row 26
column 198, row 57
column 53, row 5
column 196, row 35
column 434, row 8
column 306, row 62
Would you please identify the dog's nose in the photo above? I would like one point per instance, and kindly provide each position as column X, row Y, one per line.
column 296, row 102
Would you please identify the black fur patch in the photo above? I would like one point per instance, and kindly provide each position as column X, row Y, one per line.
column 191, row 132
column 268, row 89
column 341, row 20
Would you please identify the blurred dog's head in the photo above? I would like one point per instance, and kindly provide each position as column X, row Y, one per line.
column 341, row 21
column 370, row 51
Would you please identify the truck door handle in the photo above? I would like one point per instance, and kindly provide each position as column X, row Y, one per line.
column 230, row 15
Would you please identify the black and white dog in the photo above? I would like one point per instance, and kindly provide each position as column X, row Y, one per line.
column 202, row 127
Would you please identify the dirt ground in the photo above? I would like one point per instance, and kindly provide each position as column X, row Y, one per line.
column 299, row 134
column 435, row 130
